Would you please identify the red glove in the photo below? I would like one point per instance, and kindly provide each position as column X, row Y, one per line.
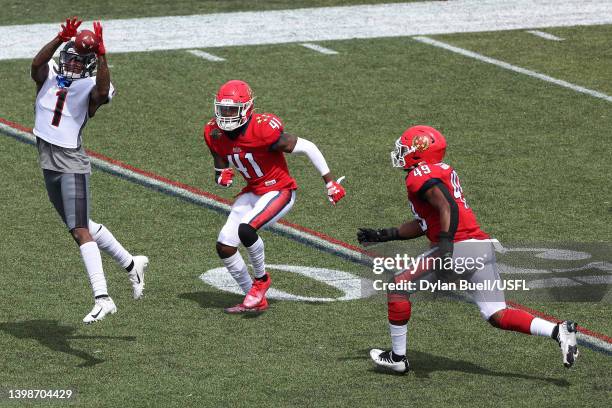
column 224, row 176
column 335, row 192
column 101, row 50
column 70, row 29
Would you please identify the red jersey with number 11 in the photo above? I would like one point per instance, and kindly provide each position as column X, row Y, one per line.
column 263, row 170
column 427, row 175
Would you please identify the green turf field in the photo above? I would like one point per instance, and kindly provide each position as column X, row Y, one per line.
column 533, row 160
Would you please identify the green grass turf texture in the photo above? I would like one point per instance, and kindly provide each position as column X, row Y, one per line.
column 532, row 157
column 38, row 11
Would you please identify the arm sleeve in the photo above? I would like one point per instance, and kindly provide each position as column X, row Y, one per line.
column 314, row 154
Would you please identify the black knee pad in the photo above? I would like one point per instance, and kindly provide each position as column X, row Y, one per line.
column 247, row 234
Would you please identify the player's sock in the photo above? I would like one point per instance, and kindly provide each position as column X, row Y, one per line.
column 399, row 310
column 93, row 265
column 398, row 340
column 541, row 327
column 255, row 247
column 257, row 258
column 238, row 269
column 109, row 244
column 516, row 320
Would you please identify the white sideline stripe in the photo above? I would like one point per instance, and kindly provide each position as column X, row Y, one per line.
column 320, row 49
column 318, row 24
column 514, row 68
column 215, row 205
column 594, row 342
column 206, row 55
column 545, row 35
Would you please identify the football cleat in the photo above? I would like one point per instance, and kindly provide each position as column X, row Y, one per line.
column 257, row 292
column 103, row 306
column 567, row 342
column 136, row 275
column 241, row 308
column 384, row 359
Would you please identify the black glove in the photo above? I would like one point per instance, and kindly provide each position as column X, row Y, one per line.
column 445, row 245
column 445, row 253
column 367, row 235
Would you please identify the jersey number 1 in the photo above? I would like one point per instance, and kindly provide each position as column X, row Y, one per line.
column 59, row 106
column 237, row 163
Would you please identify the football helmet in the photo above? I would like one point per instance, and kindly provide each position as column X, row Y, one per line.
column 73, row 65
column 416, row 145
column 233, row 104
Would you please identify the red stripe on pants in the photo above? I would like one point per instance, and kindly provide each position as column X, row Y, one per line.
column 272, row 209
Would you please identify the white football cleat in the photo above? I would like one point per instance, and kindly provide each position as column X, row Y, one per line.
column 567, row 342
column 103, row 306
column 136, row 276
column 384, row 359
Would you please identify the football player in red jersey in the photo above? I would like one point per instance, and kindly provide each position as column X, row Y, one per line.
column 255, row 145
column 442, row 214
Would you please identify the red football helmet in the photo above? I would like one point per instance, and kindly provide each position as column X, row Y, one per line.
column 233, row 104
column 418, row 144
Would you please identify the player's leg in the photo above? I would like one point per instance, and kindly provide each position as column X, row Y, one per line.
column 134, row 265
column 268, row 209
column 228, row 241
column 69, row 193
column 399, row 309
column 493, row 306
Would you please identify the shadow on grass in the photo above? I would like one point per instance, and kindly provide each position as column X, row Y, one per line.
column 55, row 336
column 217, row 300
column 423, row 364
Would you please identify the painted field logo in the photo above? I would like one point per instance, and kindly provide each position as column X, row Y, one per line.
column 351, row 286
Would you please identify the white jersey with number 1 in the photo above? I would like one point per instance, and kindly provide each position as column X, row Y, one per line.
column 61, row 113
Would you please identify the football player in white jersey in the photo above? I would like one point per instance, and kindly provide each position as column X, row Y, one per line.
column 68, row 94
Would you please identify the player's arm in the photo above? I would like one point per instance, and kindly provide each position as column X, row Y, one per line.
column 408, row 230
column 441, row 199
column 100, row 93
column 40, row 67
column 288, row 143
column 224, row 174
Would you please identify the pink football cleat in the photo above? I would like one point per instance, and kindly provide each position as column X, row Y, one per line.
column 257, row 292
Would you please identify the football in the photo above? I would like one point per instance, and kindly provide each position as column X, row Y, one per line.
column 86, row 42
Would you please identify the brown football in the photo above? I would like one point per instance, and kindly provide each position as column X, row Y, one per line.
column 86, row 42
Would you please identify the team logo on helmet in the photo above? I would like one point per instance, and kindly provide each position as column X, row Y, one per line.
column 421, row 142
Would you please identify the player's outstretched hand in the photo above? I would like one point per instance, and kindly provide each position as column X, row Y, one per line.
column 225, row 177
column 69, row 29
column 335, row 191
column 368, row 236
column 97, row 26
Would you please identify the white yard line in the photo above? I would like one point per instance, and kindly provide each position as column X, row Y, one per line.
column 505, row 65
column 206, row 55
column 320, row 49
column 319, row 24
column 544, row 35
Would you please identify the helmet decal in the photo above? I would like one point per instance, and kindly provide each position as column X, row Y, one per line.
column 421, row 142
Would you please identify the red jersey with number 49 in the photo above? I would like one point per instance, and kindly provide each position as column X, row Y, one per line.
column 263, row 170
column 423, row 177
